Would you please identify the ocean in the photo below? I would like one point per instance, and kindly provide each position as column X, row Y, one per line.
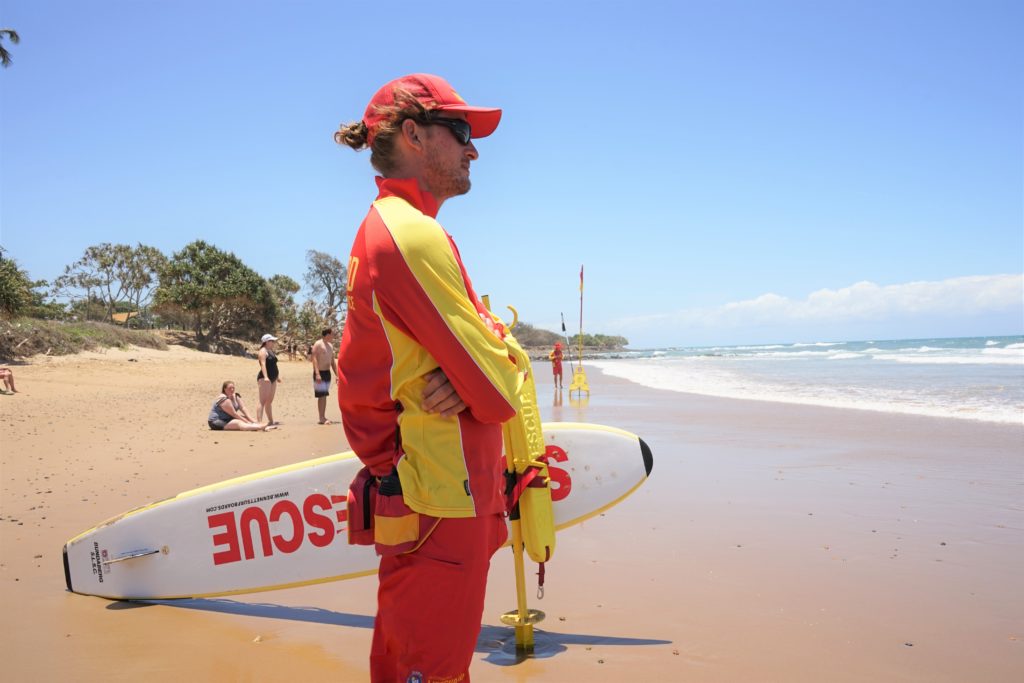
column 976, row 378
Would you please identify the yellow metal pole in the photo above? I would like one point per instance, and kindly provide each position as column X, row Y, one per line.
column 522, row 619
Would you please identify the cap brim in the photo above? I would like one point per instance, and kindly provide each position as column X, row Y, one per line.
column 482, row 120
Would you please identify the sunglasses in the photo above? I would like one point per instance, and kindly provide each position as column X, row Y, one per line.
column 459, row 128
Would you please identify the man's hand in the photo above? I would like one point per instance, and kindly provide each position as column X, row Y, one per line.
column 439, row 395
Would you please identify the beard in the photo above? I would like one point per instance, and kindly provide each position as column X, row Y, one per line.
column 443, row 179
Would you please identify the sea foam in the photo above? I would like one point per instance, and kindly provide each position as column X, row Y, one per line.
column 965, row 379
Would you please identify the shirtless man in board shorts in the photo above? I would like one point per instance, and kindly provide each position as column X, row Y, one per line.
column 323, row 359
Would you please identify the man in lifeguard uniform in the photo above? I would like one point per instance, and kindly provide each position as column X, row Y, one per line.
column 425, row 383
column 556, row 364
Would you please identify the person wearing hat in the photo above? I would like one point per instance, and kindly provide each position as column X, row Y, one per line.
column 268, row 378
column 556, row 364
column 425, row 383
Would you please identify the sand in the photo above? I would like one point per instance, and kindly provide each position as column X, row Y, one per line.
column 772, row 543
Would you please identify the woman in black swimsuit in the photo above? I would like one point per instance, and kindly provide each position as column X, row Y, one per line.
column 268, row 378
column 228, row 413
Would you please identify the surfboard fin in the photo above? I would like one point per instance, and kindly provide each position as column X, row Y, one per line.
column 648, row 456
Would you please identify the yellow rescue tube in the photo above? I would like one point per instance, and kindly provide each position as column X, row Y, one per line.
column 524, row 449
column 537, row 518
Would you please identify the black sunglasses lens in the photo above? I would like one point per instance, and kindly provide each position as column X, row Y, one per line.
column 463, row 131
column 459, row 128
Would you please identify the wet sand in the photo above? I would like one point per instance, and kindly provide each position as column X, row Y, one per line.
column 772, row 543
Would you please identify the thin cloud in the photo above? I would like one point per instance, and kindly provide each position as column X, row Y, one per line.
column 863, row 301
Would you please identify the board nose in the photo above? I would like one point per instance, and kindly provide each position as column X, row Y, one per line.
column 648, row 456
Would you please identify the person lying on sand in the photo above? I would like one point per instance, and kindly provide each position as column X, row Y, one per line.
column 7, row 375
column 228, row 413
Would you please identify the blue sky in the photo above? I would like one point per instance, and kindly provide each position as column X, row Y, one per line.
column 729, row 172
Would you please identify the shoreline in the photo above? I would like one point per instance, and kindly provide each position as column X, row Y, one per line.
column 823, row 403
column 943, row 392
column 772, row 542
column 541, row 368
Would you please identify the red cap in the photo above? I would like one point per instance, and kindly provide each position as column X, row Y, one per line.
column 436, row 94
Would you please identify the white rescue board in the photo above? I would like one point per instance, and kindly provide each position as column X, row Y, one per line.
column 287, row 527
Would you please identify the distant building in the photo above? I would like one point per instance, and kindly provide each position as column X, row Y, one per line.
column 123, row 317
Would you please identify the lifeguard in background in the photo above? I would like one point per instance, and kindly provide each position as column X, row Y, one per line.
column 556, row 364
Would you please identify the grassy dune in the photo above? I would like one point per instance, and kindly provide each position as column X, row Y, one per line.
column 24, row 337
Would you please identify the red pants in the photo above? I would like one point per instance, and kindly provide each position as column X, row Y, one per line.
column 431, row 601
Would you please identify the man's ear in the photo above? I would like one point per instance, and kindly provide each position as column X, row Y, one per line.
column 413, row 134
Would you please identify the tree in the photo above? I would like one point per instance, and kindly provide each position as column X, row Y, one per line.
column 327, row 278
column 82, row 290
column 220, row 294
column 16, row 287
column 284, row 289
column 114, row 273
column 21, row 295
column 308, row 324
column 528, row 335
column 139, row 274
column 12, row 35
column 601, row 341
column 87, row 308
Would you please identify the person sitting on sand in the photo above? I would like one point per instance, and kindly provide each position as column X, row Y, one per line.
column 7, row 375
column 228, row 413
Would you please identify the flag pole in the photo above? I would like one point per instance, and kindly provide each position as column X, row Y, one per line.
column 581, row 315
column 579, row 378
column 568, row 344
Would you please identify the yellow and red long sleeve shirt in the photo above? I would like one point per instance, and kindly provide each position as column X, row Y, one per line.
column 411, row 309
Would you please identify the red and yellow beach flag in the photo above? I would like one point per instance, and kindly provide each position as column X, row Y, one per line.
column 579, row 378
